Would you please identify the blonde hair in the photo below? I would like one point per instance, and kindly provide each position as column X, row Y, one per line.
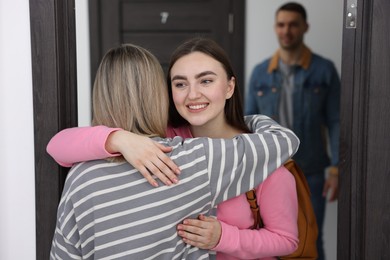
column 130, row 92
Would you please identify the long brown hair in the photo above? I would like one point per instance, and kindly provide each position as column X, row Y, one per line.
column 130, row 92
column 233, row 108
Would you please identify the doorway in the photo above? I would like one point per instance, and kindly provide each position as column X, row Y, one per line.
column 363, row 223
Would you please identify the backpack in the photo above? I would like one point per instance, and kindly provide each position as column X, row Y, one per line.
column 307, row 224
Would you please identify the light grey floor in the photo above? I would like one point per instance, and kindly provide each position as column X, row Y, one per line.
column 330, row 231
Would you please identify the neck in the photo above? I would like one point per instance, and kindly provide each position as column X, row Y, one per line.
column 222, row 130
column 291, row 57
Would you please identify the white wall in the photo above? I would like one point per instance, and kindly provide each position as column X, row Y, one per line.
column 324, row 37
column 83, row 64
column 17, row 190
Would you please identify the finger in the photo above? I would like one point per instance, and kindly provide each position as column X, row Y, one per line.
column 332, row 198
column 325, row 190
column 164, row 169
column 190, row 236
column 166, row 159
column 190, row 229
column 194, row 222
column 195, row 243
column 195, row 240
column 156, row 171
column 165, row 149
column 144, row 172
column 206, row 218
column 334, row 195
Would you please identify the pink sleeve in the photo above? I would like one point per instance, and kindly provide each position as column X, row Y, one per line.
column 278, row 203
column 80, row 144
column 183, row 131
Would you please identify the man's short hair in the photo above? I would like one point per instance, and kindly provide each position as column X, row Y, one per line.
column 293, row 7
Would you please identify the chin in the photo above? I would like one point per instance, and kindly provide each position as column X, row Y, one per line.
column 196, row 122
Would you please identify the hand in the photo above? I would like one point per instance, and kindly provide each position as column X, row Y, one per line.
column 203, row 232
column 332, row 184
column 146, row 155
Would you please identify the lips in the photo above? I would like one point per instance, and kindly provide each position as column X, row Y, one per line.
column 197, row 106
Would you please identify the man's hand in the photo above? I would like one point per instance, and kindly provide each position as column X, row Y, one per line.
column 332, row 183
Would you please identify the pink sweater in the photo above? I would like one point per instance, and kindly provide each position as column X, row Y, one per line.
column 276, row 197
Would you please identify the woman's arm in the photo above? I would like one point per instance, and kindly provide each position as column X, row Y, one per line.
column 240, row 164
column 253, row 157
column 78, row 144
column 277, row 198
column 90, row 143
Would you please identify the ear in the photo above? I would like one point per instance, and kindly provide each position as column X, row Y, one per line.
column 307, row 28
column 230, row 88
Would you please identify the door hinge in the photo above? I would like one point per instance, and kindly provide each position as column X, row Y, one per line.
column 350, row 20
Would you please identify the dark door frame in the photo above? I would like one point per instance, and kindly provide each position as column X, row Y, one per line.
column 53, row 50
column 363, row 221
column 55, row 107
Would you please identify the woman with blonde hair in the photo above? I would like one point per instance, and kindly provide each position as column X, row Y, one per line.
column 108, row 210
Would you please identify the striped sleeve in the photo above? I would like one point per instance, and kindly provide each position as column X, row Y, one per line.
column 238, row 165
column 62, row 246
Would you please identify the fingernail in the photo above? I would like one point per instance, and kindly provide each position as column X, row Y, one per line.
column 178, row 171
column 155, row 184
column 175, row 180
column 169, row 183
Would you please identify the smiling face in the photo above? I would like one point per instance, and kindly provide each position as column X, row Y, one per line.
column 200, row 87
column 290, row 28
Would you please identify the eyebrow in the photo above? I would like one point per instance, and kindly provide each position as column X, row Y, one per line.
column 204, row 73
column 197, row 76
column 178, row 77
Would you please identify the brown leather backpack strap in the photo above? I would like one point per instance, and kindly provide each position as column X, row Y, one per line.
column 252, row 200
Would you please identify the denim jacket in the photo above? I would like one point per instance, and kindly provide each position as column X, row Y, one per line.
column 316, row 106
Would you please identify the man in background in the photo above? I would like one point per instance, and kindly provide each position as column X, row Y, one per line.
column 301, row 90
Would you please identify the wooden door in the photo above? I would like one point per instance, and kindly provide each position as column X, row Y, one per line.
column 161, row 25
column 364, row 202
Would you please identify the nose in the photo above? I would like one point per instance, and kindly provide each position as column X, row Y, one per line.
column 285, row 29
column 194, row 92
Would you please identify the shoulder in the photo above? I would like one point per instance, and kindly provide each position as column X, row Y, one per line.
column 262, row 65
column 186, row 148
column 85, row 172
column 79, row 177
column 320, row 60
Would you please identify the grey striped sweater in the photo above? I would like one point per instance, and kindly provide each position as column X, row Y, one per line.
column 109, row 211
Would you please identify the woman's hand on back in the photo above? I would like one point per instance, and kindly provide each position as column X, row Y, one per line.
column 146, row 155
column 203, row 232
